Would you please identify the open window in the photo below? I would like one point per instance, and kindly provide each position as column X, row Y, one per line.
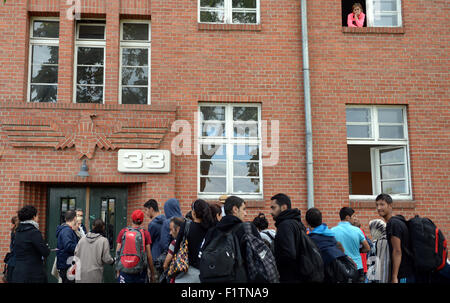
column 379, row 13
column 377, row 145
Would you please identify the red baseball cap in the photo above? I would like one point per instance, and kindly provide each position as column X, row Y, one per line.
column 137, row 216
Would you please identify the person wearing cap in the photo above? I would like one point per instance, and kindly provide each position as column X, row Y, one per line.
column 137, row 218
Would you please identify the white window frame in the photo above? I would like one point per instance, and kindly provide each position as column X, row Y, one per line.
column 228, row 141
column 228, row 12
column 136, row 44
column 92, row 43
column 381, row 144
column 40, row 41
column 371, row 14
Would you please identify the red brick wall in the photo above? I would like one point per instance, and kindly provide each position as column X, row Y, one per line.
column 258, row 64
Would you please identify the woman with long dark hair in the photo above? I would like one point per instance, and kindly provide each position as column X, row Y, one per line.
column 30, row 249
column 203, row 221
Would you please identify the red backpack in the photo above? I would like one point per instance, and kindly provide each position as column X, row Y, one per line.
column 132, row 258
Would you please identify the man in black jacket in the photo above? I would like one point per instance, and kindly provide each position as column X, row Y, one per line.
column 235, row 213
column 289, row 226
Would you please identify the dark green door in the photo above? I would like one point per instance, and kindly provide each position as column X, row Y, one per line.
column 60, row 199
column 106, row 203
column 110, row 205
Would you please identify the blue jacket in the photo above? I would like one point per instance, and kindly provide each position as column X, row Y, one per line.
column 67, row 241
column 326, row 242
column 154, row 228
column 171, row 209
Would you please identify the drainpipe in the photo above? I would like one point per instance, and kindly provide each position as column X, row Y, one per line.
column 306, row 88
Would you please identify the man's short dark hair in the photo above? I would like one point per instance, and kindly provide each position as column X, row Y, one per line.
column 345, row 211
column 98, row 226
column 282, row 199
column 152, row 203
column 384, row 197
column 27, row 212
column 70, row 215
column 230, row 202
column 313, row 217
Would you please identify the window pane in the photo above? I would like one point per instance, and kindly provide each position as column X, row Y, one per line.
column 213, row 184
column 391, row 132
column 394, row 187
column 244, row 17
column 245, row 114
column 44, row 54
column 89, row 94
column 392, row 172
column 246, row 152
column 213, row 152
column 43, row 93
column 212, row 3
column 213, row 129
column 246, row 185
column 213, row 168
column 89, row 75
column 245, row 130
column 92, row 32
column 388, row 156
column 246, row 169
column 90, row 55
column 134, row 95
column 213, row 113
column 358, row 114
column 385, row 5
column 386, row 20
column 244, row 3
column 134, row 57
column 390, row 115
column 214, row 17
column 44, row 74
column 135, row 76
column 46, row 29
column 359, row 170
column 135, row 31
column 358, row 131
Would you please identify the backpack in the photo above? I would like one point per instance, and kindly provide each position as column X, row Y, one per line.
column 261, row 264
column 342, row 270
column 428, row 244
column 310, row 263
column 221, row 260
column 132, row 258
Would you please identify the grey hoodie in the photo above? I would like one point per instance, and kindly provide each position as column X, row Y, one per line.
column 93, row 253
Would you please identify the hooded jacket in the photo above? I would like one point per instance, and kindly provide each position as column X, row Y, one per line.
column 93, row 252
column 326, row 242
column 171, row 209
column 30, row 250
column 67, row 241
column 154, row 228
column 289, row 226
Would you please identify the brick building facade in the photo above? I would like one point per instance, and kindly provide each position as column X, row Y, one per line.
column 380, row 81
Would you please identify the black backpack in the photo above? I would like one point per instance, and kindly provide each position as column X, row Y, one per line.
column 428, row 245
column 342, row 270
column 221, row 260
column 309, row 259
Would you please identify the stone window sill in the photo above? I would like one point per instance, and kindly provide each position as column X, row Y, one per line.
column 229, row 27
column 373, row 30
column 406, row 204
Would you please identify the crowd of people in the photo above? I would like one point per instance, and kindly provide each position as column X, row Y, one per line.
column 214, row 243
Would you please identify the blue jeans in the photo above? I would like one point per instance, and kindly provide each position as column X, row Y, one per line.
column 133, row 278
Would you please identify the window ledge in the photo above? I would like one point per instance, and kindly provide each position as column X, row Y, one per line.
column 373, row 30
column 360, row 203
column 249, row 203
column 229, row 27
